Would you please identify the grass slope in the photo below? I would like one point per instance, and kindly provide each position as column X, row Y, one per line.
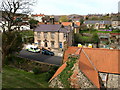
column 15, row 78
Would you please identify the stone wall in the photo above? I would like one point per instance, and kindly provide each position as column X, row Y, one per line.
column 111, row 81
column 79, row 80
column 76, row 80
column 56, row 83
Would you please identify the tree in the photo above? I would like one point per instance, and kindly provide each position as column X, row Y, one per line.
column 33, row 23
column 11, row 38
column 63, row 19
column 81, row 21
column 95, row 39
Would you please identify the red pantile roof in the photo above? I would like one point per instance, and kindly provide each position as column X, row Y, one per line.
column 70, row 50
column 89, row 71
column 77, row 23
column 69, row 23
column 105, row 60
column 66, row 23
column 38, row 15
column 59, row 71
column 93, row 60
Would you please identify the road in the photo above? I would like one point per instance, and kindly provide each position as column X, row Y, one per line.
column 40, row 57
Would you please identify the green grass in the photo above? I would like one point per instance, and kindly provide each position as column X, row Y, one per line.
column 15, row 78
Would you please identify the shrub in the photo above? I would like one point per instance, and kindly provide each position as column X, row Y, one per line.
column 36, row 71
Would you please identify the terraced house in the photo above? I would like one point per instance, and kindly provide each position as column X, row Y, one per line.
column 97, row 24
column 53, row 36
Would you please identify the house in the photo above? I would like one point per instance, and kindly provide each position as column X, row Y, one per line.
column 38, row 17
column 116, row 21
column 75, row 25
column 53, row 36
column 97, row 24
column 95, row 68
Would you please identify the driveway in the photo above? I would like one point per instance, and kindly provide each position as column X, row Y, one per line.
column 40, row 57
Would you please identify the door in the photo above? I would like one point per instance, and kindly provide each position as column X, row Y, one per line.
column 60, row 45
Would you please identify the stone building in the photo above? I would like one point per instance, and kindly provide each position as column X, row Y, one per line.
column 75, row 26
column 95, row 68
column 53, row 36
column 97, row 24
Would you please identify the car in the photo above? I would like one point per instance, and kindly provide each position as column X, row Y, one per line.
column 33, row 48
column 47, row 52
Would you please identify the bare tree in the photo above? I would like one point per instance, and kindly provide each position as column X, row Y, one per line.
column 10, row 8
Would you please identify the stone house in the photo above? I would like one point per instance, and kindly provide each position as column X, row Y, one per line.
column 116, row 21
column 75, row 26
column 53, row 36
column 97, row 24
column 95, row 68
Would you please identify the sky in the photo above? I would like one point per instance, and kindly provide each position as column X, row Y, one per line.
column 81, row 7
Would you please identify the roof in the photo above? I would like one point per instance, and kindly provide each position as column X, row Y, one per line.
column 51, row 28
column 94, row 22
column 59, row 71
column 103, row 64
column 87, row 68
column 38, row 15
column 94, row 60
column 66, row 23
column 105, row 60
column 76, row 24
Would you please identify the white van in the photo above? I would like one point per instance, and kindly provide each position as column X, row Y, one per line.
column 32, row 48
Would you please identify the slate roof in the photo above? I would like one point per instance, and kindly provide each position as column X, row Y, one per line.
column 52, row 28
column 94, row 22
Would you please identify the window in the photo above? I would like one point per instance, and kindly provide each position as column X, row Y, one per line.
column 65, row 35
column 52, row 43
column 45, row 35
column 52, row 35
column 38, row 34
column 39, row 43
column 104, row 77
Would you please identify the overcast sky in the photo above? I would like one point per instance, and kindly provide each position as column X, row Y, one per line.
column 82, row 7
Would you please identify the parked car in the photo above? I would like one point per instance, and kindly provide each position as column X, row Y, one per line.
column 47, row 52
column 32, row 48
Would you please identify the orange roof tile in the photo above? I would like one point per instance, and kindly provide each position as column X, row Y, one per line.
column 59, row 71
column 66, row 23
column 56, row 23
column 78, row 51
column 87, row 68
column 77, row 23
column 93, row 60
column 105, row 60
column 39, row 15
column 70, row 50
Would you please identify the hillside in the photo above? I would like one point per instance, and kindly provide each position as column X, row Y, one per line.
column 15, row 78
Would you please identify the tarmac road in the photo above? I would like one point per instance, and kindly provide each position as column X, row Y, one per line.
column 40, row 57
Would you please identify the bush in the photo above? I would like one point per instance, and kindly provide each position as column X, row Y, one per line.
column 36, row 71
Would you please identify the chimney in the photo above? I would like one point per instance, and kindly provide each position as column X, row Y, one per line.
column 72, row 24
column 52, row 19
